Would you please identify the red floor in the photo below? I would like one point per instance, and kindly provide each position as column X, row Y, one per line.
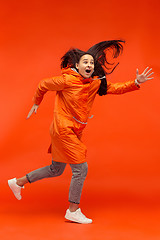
column 35, row 218
column 113, row 223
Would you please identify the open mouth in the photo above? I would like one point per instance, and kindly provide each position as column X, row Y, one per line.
column 88, row 70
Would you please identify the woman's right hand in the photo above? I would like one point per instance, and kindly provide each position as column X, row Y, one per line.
column 33, row 109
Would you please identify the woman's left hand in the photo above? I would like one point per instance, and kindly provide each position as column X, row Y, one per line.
column 145, row 76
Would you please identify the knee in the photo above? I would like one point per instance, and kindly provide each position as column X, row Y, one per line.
column 84, row 170
column 79, row 170
column 57, row 169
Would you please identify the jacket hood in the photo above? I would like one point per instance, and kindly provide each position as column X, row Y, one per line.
column 71, row 71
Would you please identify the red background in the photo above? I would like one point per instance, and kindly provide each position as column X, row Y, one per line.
column 122, row 138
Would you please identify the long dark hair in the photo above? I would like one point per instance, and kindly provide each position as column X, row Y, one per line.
column 102, row 66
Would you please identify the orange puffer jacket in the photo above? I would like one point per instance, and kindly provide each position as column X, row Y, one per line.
column 73, row 102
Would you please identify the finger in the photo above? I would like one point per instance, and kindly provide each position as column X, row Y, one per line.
column 36, row 108
column 145, row 70
column 30, row 113
column 137, row 72
column 150, row 74
column 150, row 78
column 148, row 71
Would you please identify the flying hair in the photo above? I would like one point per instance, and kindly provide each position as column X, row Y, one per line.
column 99, row 51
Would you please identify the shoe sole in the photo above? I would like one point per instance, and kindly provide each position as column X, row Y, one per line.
column 73, row 220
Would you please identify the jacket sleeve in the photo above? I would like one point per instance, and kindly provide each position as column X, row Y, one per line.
column 50, row 84
column 120, row 88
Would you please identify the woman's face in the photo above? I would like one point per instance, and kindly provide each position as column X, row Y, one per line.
column 85, row 66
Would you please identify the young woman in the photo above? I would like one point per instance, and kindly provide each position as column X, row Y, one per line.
column 83, row 77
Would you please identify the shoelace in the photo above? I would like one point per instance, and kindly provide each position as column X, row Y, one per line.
column 82, row 216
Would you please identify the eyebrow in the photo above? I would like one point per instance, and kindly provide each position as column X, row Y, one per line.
column 87, row 60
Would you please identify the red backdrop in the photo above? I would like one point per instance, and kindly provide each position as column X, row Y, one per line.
column 122, row 138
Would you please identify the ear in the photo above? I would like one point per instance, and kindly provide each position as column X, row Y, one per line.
column 77, row 65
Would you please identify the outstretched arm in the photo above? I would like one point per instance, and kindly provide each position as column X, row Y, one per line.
column 120, row 88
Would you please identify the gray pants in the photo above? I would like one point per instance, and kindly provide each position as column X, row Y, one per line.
column 79, row 173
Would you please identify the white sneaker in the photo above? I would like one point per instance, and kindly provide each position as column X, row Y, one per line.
column 15, row 188
column 77, row 216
